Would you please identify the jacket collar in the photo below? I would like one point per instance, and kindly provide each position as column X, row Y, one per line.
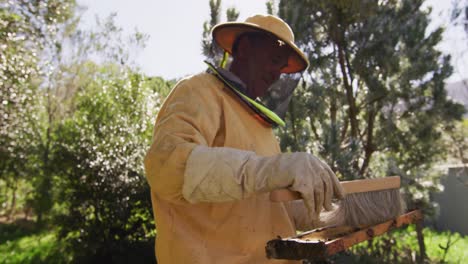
column 233, row 79
column 239, row 88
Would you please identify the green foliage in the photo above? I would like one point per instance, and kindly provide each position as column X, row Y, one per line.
column 459, row 15
column 456, row 140
column 16, row 198
column 271, row 7
column 209, row 48
column 32, row 249
column 74, row 132
column 27, row 30
column 106, row 199
column 397, row 247
column 22, row 244
column 17, row 64
column 232, row 14
column 213, row 53
column 373, row 101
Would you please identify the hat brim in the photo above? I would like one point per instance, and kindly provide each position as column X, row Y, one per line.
column 225, row 34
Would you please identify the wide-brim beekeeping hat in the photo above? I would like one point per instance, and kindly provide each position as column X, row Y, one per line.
column 225, row 34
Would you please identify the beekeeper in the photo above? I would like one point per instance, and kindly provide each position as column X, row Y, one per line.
column 214, row 157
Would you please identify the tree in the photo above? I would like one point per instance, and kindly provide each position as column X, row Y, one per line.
column 373, row 102
column 375, row 87
column 26, row 29
column 107, row 207
column 458, row 135
column 76, row 122
column 213, row 53
column 103, row 201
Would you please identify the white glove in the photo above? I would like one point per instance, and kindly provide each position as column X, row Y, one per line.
column 226, row 174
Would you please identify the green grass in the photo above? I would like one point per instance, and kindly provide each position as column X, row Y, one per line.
column 19, row 245
column 433, row 240
column 403, row 243
column 457, row 253
column 30, row 245
column 30, row 249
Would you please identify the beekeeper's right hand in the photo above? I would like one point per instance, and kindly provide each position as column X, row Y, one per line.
column 224, row 174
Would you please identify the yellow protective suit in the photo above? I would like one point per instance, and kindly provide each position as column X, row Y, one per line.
column 202, row 111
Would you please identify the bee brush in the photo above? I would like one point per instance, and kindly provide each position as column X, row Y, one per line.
column 366, row 202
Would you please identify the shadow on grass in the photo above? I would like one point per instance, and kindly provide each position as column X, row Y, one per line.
column 138, row 252
column 17, row 229
column 23, row 241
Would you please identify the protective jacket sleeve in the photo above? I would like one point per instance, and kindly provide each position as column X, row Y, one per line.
column 187, row 119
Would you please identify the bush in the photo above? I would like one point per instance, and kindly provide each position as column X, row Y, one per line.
column 106, row 210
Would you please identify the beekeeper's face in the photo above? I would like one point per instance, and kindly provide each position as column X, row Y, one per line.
column 262, row 58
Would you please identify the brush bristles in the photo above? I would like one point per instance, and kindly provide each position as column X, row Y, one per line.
column 363, row 209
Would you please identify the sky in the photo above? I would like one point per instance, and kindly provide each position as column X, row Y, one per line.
column 175, row 28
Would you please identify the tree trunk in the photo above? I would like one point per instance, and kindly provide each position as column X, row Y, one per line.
column 12, row 208
column 369, row 146
column 422, row 247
